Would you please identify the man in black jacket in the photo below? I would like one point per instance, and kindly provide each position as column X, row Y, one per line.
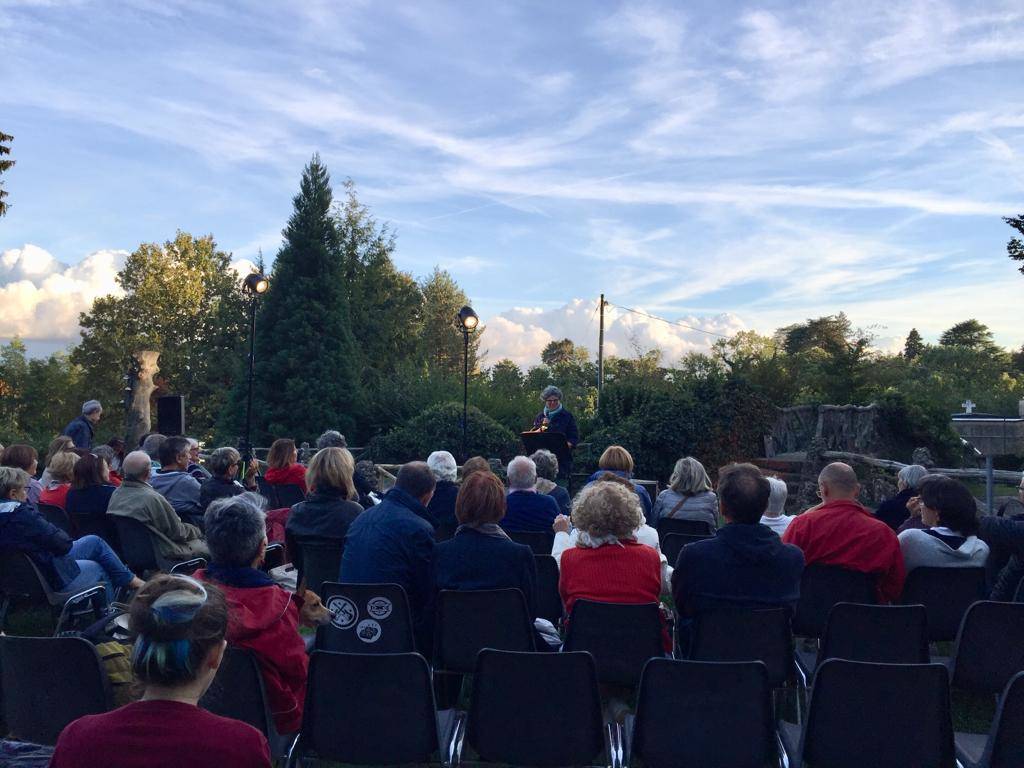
column 81, row 429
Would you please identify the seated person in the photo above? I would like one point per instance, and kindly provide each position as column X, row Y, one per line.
column 283, row 466
column 151, row 444
column 745, row 565
column 1009, row 508
column 179, row 646
column 950, row 540
column 475, row 464
column 223, row 483
column 60, row 444
column 62, row 470
column 446, row 489
column 263, row 617
column 91, row 490
column 67, row 566
column 775, row 516
column 618, row 461
column 547, row 472
column 174, row 483
column 109, row 455
column 27, row 458
column 842, row 532
column 688, row 496
column 893, row 511
column 136, row 499
column 195, row 467
column 526, row 509
column 367, row 486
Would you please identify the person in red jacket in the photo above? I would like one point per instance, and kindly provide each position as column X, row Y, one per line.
column 841, row 531
column 283, row 466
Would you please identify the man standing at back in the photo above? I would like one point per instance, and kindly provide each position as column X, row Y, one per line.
column 840, row 531
column 82, row 428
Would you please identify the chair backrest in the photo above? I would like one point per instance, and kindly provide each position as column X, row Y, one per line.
column 267, row 491
column 320, row 558
column 549, row 601
column 889, row 634
column 857, row 716
column 672, row 543
column 49, row 682
column 821, row 587
column 188, row 567
column 19, row 578
column 289, row 495
column 369, row 709
column 620, row 637
column 366, row 618
column 468, row 621
column 667, row 525
column 539, row 541
column 137, row 549
column 651, row 486
column 535, row 709
column 1005, row 747
column 237, row 691
column 746, row 635
column 56, row 516
column 697, row 713
column 946, row 594
column 94, row 525
column 989, row 647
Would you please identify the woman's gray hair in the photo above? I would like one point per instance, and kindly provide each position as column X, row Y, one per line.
column 236, row 528
column 910, row 476
column 689, row 477
column 222, row 459
column 443, row 465
column 522, row 473
column 777, row 498
column 546, row 463
column 151, row 445
column 12, row 479
column 551, row 391
column 332, row 438
column 106, row 453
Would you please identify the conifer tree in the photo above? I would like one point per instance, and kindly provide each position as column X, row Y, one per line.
column 4, row 166
column 914, row 345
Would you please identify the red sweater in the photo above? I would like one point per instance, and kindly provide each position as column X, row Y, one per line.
column 58, row 496
column 293, row 474
column 160, row 734
column 846, row 534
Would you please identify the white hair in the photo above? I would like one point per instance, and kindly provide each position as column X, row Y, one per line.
column 911, row 475
column 443, row 466
column 777, row 498
column 136, row 466
column 522, row 473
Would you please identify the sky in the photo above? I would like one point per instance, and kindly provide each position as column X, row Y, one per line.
column 727, row 166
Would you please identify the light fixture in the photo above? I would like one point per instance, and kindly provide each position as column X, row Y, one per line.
column 255, row 283
column 468, row 319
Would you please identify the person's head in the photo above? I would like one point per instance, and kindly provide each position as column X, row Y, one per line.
column 443, row 465
column 546, row 463
column 21, row 456
column 605, row 509
column 136, row 466
column 92, row 410
column 193, row 450
column 689, row 477
column 62, row 468
column 910, row 477
column 777, row 498
column 366, row 476
column 948, row 502
column 174, row 453
column 90, row 470
column 118, row 446
column 180, row 626
column 332, row 470
column 283, row 453
column 13, row 484
column 616, row 459
column 152, row 445
column 332, row 438
column 108, row 455
column 224, row 462
column 416, row 479
column 743, row 493
column 475, row 464
column 58, row 445
column 236, row 530
column 481, row 499
column 552, row 397
column 838, row 481
column 522, row 474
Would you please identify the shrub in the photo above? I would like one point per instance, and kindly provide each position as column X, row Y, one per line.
column 440, row 428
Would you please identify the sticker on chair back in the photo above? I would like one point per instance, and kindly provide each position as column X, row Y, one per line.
column 368, row 631
column 344, row 613
column 379, row 608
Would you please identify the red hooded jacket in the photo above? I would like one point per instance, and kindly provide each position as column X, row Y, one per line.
column 293, row 474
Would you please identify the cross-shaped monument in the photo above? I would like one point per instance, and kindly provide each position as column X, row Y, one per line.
column 968, row 405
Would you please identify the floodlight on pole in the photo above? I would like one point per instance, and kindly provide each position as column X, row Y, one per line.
column 254, row 285
column 467, row 321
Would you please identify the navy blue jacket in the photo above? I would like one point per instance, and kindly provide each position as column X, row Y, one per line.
column 529, row 511
column 1005, row 564
column 562, row 499
column 442, row 508
column 743, row 566
column 22, row 529
column 641, row 492
column 563, row 422
column 474, row 560
column 80, row 431
column 91, row 501
column 893, row 511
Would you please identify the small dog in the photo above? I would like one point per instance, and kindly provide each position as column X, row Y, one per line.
column 313, row 611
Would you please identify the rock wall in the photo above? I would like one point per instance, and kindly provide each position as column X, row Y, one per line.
column 852, row 428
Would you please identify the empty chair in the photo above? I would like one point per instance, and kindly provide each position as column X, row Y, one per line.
column 620, row 637
column 667, row 525
column 288, row 495
column 366, row 618
column 821, row 587
column 946, row 594
column 549, row 602
column 746, row 635
column 672, row 543
column 49, row 682
column 21, row 580
column 989, row 648
column 137, row 547
column 539, row 541
column 368, row 709
column 319, row 558
column 1003, row 747
column 88, row 524
column 468, row 621
column 858, row 713
column 702, row 713
column 55, row 515
column 539, row 709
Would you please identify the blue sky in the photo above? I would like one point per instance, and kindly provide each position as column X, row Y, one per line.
column 730, row 165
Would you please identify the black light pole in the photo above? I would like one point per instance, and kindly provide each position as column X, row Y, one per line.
column 467, row 323
column 254, row 285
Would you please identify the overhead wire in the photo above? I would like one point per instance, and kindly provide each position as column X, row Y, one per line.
column 665, row 320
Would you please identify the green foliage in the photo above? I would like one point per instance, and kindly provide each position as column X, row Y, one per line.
column 440, row 340
column 970, row 334
column 37, row 397
column 1015, row 248
column 5, row 165
column 440, row 428
column 914, row 345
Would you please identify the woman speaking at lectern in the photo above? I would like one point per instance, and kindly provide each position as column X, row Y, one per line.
column 554, row 418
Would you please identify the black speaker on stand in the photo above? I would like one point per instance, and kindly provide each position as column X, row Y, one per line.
column 170, row 415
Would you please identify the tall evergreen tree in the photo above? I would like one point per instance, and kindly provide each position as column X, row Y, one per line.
column 1015, row 248
column 4, row 166
column 307, row 363
column 440, row 339
column 914, row 345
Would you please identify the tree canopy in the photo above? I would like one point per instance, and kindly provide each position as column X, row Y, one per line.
column 5, row 165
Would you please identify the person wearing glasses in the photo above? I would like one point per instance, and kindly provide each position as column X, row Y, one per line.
column 555, row 418
column 224, row 465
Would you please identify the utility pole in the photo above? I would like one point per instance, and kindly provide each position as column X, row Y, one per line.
column 600, row 355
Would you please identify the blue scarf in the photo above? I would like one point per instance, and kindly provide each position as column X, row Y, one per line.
column 549, row 414
column 242, row 578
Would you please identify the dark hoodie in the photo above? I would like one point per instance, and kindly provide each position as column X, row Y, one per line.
column 743, row 566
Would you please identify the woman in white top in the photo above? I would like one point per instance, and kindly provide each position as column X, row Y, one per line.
column 688, row 496
column 950, row 540
column 773, row 517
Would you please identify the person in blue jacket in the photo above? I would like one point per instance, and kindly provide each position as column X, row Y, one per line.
column 82, row 428
column 555, row 418
column 618, row 461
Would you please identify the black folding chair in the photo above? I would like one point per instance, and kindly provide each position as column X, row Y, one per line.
column 821, row 587
column 273, row 557
column 549, row 600
column 370, row 709
column 468, row 621
column 989, row 648
column 268, row 492
column 56, row 516
column 366, row 618
column 539, row 541
column 1003, row 746
column 620, row 637
column 672, row 543
column 535, row 709
column 21, row 580
column 747, row 635
column 703, row 713
column 318, row 560
column 138, row 550
column 289, row 495
column 49, row 682
column 946, row 594
column 667, row 525
column 188, row 567
column 94, row 525
column 858, row 717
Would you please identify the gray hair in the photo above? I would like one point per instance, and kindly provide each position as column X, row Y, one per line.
column 443, row 465
column 220, row 460
column 91, row 406
column 106, row 453
column 522, row 473
column 236, row 528
column 332, row 438
column 910, row 476
column 546, row 463
column 151, row 445
column 192, row 442
column 777, row 498
column 551, row 391
column 136, row 466
column 12, row 479
column 689, row 477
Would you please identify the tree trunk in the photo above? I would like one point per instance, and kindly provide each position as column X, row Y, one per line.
column 137, row 420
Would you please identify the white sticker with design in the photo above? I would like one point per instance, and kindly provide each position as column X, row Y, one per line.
column 344, row 613
column 379, row 608
column 369, row 631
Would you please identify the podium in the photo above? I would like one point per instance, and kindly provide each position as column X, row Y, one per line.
column 549, row 441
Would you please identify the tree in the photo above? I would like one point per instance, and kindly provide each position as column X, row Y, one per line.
column 307, row 362
column 5, row 165
column 828, row 359
column 914, row 345
column 1015, row 248
column 440, row 339
column 563, row 352
column 970, row 334
column 37, row 396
